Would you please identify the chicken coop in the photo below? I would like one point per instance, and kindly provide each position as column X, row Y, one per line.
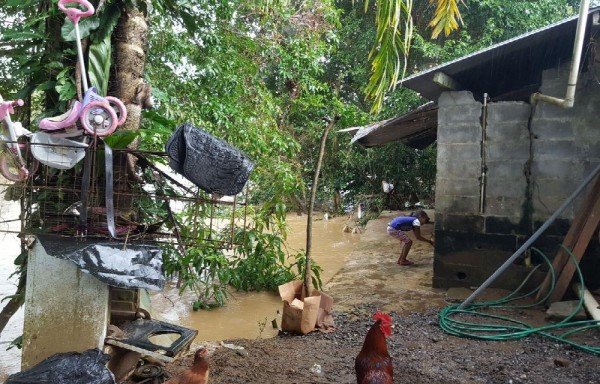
column 149, row 202
column 114, row 214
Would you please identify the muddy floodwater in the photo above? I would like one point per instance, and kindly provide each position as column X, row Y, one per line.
column 246, row 315
column 10, row 361
column 249, row 314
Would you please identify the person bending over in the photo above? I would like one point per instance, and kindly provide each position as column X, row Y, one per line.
column 400, row 225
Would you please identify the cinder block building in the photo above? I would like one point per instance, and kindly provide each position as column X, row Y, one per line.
column 507, row 158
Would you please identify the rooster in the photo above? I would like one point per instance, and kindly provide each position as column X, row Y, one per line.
column 197, row 374
column 373, row 364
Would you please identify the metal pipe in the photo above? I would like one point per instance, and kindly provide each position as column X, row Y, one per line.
column 590, row 303
column 569, row 99
column 533, row 238
column 84, row 82
column 483, row 164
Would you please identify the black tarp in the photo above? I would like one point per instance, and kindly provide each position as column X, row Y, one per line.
column 115, row 263
column 88, row 367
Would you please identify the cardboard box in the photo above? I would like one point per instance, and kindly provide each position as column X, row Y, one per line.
column 304, row 315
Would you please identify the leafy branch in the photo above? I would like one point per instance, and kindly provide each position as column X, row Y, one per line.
column 446, row 17
column 393, row 40
column 390, row 51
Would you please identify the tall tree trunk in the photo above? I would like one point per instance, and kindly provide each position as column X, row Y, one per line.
column 52, row 47
column 127, row 84
column 131, row 47
column 313, row 193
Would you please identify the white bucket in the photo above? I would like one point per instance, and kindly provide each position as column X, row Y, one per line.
column 57, row 152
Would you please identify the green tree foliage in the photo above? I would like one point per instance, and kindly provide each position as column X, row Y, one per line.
column 486, row 22
column 495, row 20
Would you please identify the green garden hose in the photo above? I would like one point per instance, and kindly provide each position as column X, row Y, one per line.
column 506, row 328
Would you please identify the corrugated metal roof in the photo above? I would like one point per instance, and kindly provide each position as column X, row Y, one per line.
column 419, row 129
column 501, row 71
column 513, row 64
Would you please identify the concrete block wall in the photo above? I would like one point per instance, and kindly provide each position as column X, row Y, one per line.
column 459, row 153
column 470, row 244
column 566, row 142
column 535, row 158
column 507, row 151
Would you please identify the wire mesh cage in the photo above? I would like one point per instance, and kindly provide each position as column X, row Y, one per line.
column 97, row 192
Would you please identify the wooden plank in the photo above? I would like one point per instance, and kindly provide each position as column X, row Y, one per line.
column 562, row 257
column 588, row 230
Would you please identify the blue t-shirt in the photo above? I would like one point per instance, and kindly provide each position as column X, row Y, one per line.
column 405, row 223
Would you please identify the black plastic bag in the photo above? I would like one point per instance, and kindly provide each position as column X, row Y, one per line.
column 210, row 163
column 88, row 367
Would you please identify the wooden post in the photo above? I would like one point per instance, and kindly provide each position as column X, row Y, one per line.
column 577, row 239
column 313, row 193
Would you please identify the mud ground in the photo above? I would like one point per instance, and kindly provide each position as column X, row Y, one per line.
column 422, row 352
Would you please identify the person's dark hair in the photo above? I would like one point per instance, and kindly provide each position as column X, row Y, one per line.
column 420, row 214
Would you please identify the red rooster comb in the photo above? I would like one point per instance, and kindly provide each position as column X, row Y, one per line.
column 386, row 321
column 384, row 317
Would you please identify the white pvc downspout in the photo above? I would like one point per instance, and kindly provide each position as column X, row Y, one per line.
column 569, row 99
column 590, row 303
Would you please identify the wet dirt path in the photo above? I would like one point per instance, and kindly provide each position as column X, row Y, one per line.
column 371, row 275
column 358, row 268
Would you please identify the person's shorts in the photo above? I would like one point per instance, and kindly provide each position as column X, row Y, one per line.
column 398, row 234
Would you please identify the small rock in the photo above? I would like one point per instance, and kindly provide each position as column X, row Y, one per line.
column 560, row 362
column 242, row 352
column 562, row 309
column 316, row 369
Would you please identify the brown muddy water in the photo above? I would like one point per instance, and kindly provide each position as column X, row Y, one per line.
column 246, row 315
column 249, row 314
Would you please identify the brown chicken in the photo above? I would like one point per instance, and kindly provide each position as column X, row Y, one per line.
column 197, row 373
column 373, row 364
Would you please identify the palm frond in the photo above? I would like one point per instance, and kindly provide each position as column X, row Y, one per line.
column 446, row 17
column 390, row 51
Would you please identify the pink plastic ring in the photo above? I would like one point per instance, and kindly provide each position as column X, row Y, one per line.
column 104, row 107
column 74, row 14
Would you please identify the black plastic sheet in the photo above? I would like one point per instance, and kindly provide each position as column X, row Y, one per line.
column 210, row 163
column 88, row 367
column 114, row 263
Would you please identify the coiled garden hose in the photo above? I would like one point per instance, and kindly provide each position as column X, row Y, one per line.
column 506, row 328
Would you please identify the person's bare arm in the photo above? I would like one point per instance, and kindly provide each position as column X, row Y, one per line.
column 418, row 235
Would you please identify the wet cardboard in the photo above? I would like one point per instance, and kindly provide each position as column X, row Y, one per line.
column 303, row 315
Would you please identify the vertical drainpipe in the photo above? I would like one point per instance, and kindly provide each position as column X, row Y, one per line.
column 569, row 99
column 483, row 163
column 528, row 205
column 567, row 102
